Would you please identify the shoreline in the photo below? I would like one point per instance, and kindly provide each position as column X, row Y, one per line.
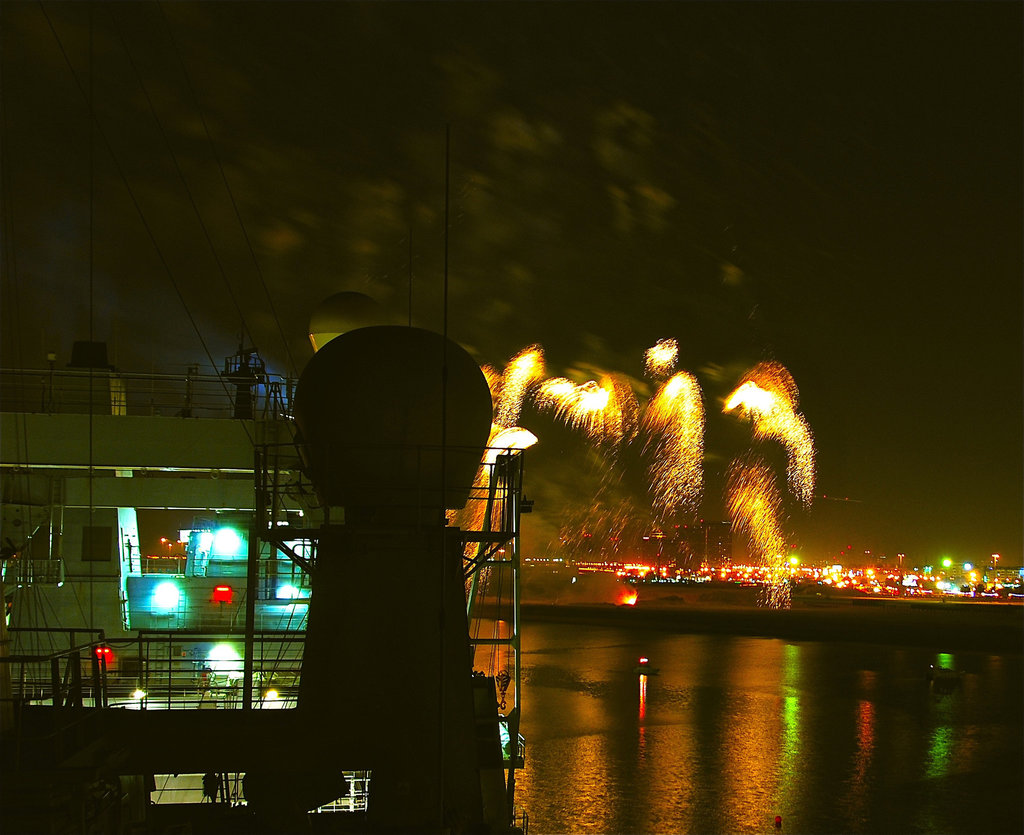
column 975, row 627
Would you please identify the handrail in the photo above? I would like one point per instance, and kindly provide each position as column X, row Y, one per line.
column 49, row 391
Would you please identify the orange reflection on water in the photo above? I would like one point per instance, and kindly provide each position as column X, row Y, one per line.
column 858, row 795
column 643, row 698
column 754, row 735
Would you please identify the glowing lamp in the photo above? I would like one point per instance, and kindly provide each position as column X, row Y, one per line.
column 138, row 694
column 166, row 596
column 968, row 566
column 223, row 594
column 104, row 653
column 289, row 592
column 223, row 659
column 227, row 543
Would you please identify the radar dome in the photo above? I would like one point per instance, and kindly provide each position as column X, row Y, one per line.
column 389, row 414
column 341, row 313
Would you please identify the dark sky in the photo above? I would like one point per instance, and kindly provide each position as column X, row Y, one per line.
column 836, row 186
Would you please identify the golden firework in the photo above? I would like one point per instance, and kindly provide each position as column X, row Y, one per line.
column 675, row 419
column 768, row 395
column 523, row 372
column 754, row 508
column 493, row 377
column 605, row 412
column 660, row 359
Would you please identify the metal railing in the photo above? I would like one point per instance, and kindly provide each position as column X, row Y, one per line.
column 44, row 671
column 154, row 670
column 20, row 571
column 101, row 391
column 229, row 787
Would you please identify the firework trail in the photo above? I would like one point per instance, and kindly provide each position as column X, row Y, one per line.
column 754, row 506
column 522, row 373
column 605, row 412
column 769, row 396
column 660, row 360
column 493, row 377
column 675, row 415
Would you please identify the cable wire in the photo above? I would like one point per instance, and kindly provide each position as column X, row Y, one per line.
column 142, row 218
column 231, row 195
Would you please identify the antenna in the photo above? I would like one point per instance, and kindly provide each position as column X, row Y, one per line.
column 444, row 459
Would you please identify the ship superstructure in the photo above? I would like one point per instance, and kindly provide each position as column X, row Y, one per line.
column 118, row 658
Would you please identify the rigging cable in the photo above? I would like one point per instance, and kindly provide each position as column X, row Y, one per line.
column 145, row 224
column 91, row 543
column 231, row 195
column 184, row 181
column 13, row 327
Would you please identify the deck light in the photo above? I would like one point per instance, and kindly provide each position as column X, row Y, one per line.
column 223, row 659
column 166, row 596
column 227, row 543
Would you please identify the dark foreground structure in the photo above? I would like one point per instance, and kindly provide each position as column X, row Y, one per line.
column 387, row 463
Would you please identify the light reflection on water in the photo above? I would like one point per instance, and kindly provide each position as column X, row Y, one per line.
column 733, row 731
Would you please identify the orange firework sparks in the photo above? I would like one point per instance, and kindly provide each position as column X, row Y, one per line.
column 660, row 359
column 769, row 396
column 754, row 505
column 493, row 377
column 523, row 372
column 604, row 412
column 628, row 410
column 676, row 415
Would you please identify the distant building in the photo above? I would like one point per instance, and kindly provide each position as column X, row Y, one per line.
column 710, row 542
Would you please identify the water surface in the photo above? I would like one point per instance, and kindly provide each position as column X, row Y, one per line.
column 733, row 731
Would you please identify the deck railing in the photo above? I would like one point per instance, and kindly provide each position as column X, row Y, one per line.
column 101, row 391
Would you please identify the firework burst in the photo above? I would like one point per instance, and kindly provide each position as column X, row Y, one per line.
column 522, row 373
column 768, row 395
column 754, row 507
column 660, row 359
column 675, row 419
column 605, row 412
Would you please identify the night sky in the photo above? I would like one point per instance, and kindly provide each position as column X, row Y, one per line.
column 835, row 186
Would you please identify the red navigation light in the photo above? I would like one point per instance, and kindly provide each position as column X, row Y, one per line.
column 222, row 594
column 104, row 653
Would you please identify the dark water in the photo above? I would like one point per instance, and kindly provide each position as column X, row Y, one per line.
column 734, row 731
